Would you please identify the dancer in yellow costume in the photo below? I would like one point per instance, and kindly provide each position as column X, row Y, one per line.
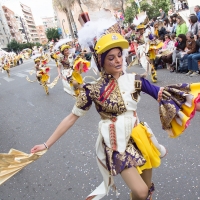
column 124, row 146
column 6, row 67
column 42, row 72
column 71, row 69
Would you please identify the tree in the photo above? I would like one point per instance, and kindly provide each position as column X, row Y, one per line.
column 52, row 33
column 16, row 46
column 65, row 6
column 153, row 9
column 131, row 11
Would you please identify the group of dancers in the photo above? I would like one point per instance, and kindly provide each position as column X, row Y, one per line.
column 124, row 145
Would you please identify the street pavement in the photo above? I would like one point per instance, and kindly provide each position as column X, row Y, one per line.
column 68, row 171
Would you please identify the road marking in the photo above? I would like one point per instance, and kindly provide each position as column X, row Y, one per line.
column 8, row 79
column 20, row 75
column 53, row 65
column 30, row 103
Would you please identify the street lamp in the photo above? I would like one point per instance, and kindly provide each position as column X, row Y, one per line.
column 63, row 28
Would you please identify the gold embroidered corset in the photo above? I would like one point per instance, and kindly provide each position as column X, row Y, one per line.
column 65, row 62
column 114, row 97
column 106, row 96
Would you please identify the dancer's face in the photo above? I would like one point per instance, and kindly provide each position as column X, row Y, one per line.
column 66, row 52
column 113, row 62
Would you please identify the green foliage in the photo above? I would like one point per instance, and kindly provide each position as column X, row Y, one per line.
column 153, row 10
column 16, row 46
column 131, row 11
column 52, row 33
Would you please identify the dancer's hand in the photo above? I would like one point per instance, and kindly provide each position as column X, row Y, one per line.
column 37, row 148
column 64, row 78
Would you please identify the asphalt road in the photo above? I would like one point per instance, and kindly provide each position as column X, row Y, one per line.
column 68, row 171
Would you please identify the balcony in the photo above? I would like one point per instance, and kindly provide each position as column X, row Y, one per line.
column 12, row 31
column 27, row 10
column 9, row 23
column 31, row 26
column 30, row 19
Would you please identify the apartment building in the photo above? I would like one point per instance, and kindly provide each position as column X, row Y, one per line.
column 29, row 24
column 12, row 24
column 41, row 33
column 5, row 35
column 21, row 28
column 49, row 22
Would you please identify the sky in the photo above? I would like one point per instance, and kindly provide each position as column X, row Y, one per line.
column 40, row 8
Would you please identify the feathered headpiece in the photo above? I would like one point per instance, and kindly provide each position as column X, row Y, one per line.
column 141, row 20
column 93, row 30
column 36, row 57
column 61, row 43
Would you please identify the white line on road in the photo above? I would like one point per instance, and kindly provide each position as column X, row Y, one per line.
column 30, row 103
column 20, row 75
column 8, row 79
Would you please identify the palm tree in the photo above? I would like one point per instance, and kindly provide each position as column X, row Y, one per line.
column 65, row 6
column 79, row 3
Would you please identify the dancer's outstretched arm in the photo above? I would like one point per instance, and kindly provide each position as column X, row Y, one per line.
column 60, row 130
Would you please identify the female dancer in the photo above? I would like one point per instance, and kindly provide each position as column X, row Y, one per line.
column 116, row 96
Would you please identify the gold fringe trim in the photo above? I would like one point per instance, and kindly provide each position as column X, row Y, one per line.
column 53, row 83
column 28, row 79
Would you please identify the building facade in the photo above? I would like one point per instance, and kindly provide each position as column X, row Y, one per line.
column 5, row 35
column 49, row 22
column 41, row 33
column 29, row 24
column 90, row 6
column 12, row 23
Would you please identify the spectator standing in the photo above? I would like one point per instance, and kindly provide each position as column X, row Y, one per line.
column 162, row 14
column 21, row 57
column 193, row 26
column 153, row 21
column 181, row 26
column 123, row 31
column 155, row 29
column 161, row 30
column 170, row 12
column 168, row 26
column 174, row 21
column 197, row 11
column 193, row 58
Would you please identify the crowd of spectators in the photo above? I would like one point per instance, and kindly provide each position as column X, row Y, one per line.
column 180, row 39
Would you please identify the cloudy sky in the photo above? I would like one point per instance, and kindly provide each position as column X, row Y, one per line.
column 40, row 8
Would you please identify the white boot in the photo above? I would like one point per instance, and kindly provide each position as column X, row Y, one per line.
column 161, row 148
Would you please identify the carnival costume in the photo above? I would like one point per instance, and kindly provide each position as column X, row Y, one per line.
column 6, row 67
column 42, row 71
column 146, row 45
column 72, row 69
column 123, row 142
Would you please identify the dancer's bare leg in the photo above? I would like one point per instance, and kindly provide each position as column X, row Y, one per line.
column 147, row 177
column 198, row 107
column 135, row 183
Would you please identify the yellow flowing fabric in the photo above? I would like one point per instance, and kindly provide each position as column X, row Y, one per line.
column 142, row 138
column 13, row 161
column 187, row 113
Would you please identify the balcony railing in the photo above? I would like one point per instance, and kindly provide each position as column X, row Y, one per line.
column 12, row 31
column 26, row 9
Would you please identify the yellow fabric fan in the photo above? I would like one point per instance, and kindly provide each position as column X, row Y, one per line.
column 13, row 161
